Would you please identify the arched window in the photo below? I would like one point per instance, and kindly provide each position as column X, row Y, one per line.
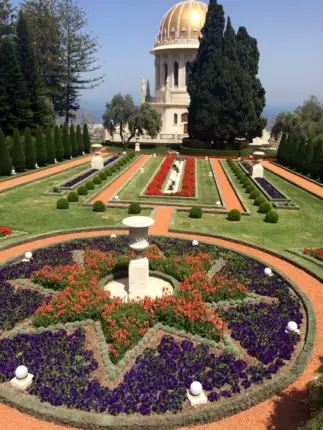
column 176, row 72
column 175, row 118
column 165, row 73
column 184, row 117
column 187, row 71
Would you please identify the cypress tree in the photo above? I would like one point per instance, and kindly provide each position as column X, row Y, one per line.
column 301, row 153
column 18, row 156
column 73, row 141
column 5, row 160
column 293, row 151
column 308, row 157
column 41, row 154
column 59, row 149
column 30, row 150
column 86, row 139
column 50, row 148
column 79, row 140
column 317, row 156
column 66, row 143
column 288, row 149
column 281, row 149
column 204, row 83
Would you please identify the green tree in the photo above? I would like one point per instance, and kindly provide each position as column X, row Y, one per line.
column 5, row 160
column 7, row 15
column 293, row 160
column 146, row 118
column 308, row 157
column 66, row 143
column 18, row 156
column 148, row 95
column 50, row 147
column 301, row 154
column 59, row 149
column 41, row 154
column 79, row 49
column 14, row 100
column 73, row 141
column 204, row 83
column 79, row 140
column 30, row 150
column 282, row 148
column 118, row 111
column 317, row 156
column 289, row 149
column 86, row 139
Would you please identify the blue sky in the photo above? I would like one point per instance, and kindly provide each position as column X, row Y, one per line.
column 289, row 34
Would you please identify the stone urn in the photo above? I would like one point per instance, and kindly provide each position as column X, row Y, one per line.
column 97, row 161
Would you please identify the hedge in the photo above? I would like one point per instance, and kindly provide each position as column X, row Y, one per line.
column 215, row 152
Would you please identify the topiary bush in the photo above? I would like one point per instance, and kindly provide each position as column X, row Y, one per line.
column 98, row 206
column 246, row 183
column 102, row 176
column 234, row 215
column 113, row 169
column 250, row 188
column 272, row 217
column 82, row 190
column 62, row 204
column 108, row 172
column 259, row 200
column 195, row 212
column 72, row 197
column 264, row 208
column 134, row 208
column 97, row 180
column 89, row 185
column 254, row 194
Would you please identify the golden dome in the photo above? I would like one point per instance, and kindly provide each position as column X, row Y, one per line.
column 183, row 21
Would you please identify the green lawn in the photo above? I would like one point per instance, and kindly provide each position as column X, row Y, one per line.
column 295, row 229
column 25, row 209
column 207, row 190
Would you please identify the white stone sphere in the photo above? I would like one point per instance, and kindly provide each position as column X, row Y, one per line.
column 21, row 372
column 218, row 203
column 196, row 388
column 124, row 153
column 116, row 197
column 195, row 243
column 292, row 326
column 268, row 271
column 113, row 236
column 28, row 255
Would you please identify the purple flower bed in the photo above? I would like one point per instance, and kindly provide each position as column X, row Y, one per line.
column 86, row 174
column 246, row 166
column 156, row 383
column 274, row 194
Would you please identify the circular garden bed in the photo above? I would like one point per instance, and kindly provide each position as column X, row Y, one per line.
column 99, row 362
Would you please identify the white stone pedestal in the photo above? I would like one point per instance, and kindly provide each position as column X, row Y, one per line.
column 97, row 162
column 257, row 171
column 22, row 384
column 139, row 277
column 197, row 400
column 137, row 147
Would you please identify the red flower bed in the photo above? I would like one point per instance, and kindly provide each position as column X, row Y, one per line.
column 5, row 231
column 188, row 185
column 316, row 253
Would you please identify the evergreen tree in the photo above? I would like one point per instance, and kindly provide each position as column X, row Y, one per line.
column 204, row 84
column 41, row 155
column 30, row 150
column 66, row 143
column 14, row 100
column 5, row 160
column 249, row 56
column 7, row 15
column 59, row 149
column 289, row 150
column 79, row 140
column 50, row 148
column 282, row 148
column 317, row 156
column 148, row 95
column 18, row 156
column 301, row 154
column 86, row 139
column 73, row 141
column 293, row 151
column 308, row 157
column 30, row 72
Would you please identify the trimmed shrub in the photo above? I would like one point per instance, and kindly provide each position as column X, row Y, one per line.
column 30, row 150
column 246, row 184
column 250, row 188
column 98, row 206
column 108, row 172
column 50, row 147
column 5, row 160
column 62, row 204
column 59, row 150
column 66, row 143
column 82, row 190
column 272, row 217
column 259, row 200
column 79, row 139
column 134, row 208
column 113, row 169
column 86, row 139
column 234, row 215
column 195, row 212
column 264, row 208
column 254, row 194
column 73, row 142
column 73, row 196
column 41, row 154
column 18, row 156
column 97, row 180
column 102, row 176
column 89, row 185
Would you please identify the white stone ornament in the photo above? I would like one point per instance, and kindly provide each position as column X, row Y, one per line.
column 13, row 172
column 195, row 243
column 218, row 203
column 292, row 327
column 36, row 166
column 124, row 153
column 210, row 174
column 268, row 271
column 142, row 170
column 196, row 388
column 113, row 236
column 55, row 161
column 154, row 155
column 116, row 198
column 196, row 395
column 21, row 372
column 28, row 257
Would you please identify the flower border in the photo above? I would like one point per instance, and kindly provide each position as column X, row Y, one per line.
column 299, row 252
